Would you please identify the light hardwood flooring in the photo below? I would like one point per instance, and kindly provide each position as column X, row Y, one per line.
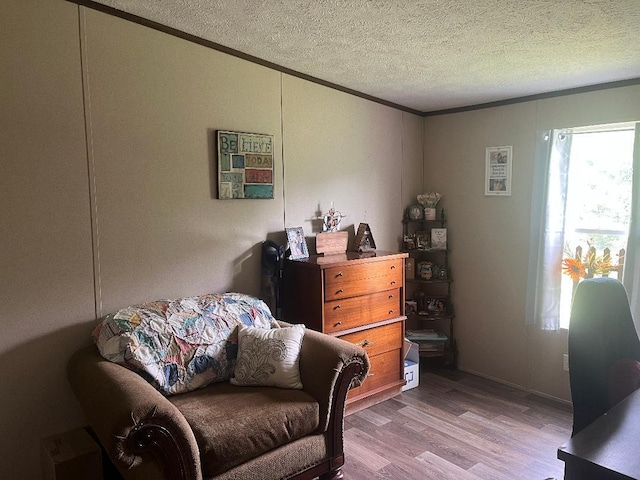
column 458, row 426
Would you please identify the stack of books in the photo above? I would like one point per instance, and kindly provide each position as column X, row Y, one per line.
column 428, row 340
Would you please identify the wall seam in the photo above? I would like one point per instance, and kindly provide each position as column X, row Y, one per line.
column 284, row 203
column 424, row 148
column 529, row 333
column 402, row 162
column 91, row 169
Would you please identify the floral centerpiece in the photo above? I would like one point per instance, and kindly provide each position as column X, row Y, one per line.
column 429, row 201
column 578, row 267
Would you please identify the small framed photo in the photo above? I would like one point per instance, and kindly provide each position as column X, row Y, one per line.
column 422, row 240
column 297, row 243
column 410, row 307
column 437, row 306
column 498, row 171
column 439, row 238
column 409, row 242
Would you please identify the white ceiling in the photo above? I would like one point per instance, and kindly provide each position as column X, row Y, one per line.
column 425, row 55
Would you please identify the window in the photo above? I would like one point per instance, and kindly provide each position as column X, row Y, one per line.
column 582, row 197
column 598, row 200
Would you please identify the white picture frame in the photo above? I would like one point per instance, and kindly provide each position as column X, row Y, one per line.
column 438, row 238
column 497, row 180
column 297, row 243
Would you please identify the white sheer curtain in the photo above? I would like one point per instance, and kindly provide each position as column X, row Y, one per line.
column 631, row 275
column 548, row 222
column 548, row 204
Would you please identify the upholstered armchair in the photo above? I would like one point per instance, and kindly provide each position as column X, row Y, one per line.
column 222, row 430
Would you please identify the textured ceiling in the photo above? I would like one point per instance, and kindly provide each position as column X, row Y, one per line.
column 426, row 55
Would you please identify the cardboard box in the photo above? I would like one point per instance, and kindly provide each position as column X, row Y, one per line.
column 72, row 455
column 411, row 365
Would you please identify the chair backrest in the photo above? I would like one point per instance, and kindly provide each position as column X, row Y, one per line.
column 601, row 335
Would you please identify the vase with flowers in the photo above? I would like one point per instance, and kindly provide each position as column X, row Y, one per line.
column 429, row 201
column 579, row 266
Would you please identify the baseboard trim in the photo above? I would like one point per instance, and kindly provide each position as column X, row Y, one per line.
column 514, row 385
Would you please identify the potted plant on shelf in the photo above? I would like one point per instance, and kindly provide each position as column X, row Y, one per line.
column 429, row 201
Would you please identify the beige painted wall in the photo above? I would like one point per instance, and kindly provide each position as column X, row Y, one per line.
column 489, row 236
column 355, row 153
column 155, row 102
column 46, row 275
column 130, row 209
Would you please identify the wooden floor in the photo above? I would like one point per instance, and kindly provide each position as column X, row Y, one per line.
column 457, row 426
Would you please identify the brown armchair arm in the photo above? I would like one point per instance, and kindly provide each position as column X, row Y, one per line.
column 142, row 432
column 328, row 365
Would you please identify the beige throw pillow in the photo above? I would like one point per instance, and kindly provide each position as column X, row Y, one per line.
column 268, row 357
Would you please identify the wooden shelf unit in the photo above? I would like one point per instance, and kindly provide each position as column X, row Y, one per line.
column 436, row 287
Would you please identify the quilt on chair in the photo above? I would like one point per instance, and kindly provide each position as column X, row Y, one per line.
column 181, row 345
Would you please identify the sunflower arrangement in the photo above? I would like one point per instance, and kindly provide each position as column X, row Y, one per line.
column 578, row 267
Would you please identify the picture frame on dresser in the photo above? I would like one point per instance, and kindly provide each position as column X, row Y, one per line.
column 297, row 243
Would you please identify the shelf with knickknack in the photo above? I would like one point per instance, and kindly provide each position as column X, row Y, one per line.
column 429, row 308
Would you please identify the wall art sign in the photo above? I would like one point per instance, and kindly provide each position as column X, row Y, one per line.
column 498, row 171
column 245, row 165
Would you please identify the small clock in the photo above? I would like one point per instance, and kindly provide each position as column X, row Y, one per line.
column 416, row 212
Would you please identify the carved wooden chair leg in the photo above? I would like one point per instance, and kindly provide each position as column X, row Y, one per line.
column 333, row 475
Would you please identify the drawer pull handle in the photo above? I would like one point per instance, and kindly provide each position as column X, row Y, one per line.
column 393, row 267
column 390, row 312
column 366, row 343
column 393, row 282
column 339, row 274
column 337, row 307
column 340, row 291
column 390, row 297
column 337, row 324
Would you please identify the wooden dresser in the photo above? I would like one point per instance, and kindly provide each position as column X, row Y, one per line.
column 358, row 297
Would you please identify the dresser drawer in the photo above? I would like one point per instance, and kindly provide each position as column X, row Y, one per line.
column 358, row 298
column 357, row 311
column 385, row 370
column 352, row 280
column 377, row 340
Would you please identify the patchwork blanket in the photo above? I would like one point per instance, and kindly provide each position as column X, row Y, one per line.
column 180, row 345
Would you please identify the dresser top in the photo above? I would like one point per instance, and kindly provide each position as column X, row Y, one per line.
column 348, row 258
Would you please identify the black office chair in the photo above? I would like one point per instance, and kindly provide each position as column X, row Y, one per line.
column 604, row 349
